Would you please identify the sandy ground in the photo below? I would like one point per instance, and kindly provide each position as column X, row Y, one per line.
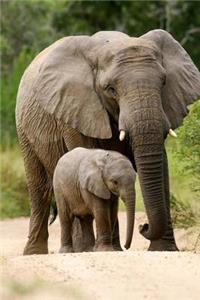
column 133, row 274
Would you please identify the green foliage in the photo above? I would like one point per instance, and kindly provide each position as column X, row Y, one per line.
column 87, row 17
column 9, row 87
column 14, row 194
column 184, row 164
column 189, row 146
column 185, row 26
column 26, row 25
column 33, row 25
column 181, row 18
column 184, row 214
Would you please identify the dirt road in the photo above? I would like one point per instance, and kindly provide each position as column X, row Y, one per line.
column 133, row 274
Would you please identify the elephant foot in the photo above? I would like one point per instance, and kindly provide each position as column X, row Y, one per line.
column 117, row 248
column 83, row 247
column 103, row 248
column 116, row 244
column 163, row 245
column 89, row 249
column 66, row 249
column 31, row 249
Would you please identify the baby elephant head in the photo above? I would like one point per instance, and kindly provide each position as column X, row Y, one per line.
column 106, row 172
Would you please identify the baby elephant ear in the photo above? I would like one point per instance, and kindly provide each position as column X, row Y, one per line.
column 91, row 179
column 182, row 77
column 65, row 87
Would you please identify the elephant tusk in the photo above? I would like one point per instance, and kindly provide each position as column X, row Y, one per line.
column 172, row 133
column 122, row 135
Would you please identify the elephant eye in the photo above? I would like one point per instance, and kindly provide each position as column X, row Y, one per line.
column 111, row 91
column 114, row 182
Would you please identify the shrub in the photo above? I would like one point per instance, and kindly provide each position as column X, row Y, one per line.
column 14, row 194
column 184, row 215
column 188, row 146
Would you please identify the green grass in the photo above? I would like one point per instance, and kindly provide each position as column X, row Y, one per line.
column 185, row 214
column 14, row 194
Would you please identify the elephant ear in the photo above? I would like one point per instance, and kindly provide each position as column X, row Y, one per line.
column 182, row 85
column 90, row 176
column 65, row 87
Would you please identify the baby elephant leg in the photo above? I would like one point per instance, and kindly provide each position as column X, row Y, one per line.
column 115, row 225
column 88, row 240
column 65, row 223
column 83, row 234
column 103, row 226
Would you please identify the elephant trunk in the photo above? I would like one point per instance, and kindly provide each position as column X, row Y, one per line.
column 150, row 171
column 146, row 133
column 129, row 200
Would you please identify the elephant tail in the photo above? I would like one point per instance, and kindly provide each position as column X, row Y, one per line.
column 54, row 212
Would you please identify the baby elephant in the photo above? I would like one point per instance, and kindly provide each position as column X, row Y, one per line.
column 87, row 184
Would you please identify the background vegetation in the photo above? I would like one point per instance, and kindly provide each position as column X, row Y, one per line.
column 29, row 26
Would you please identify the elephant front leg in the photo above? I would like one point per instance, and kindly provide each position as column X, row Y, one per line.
column 38, row 228
column 40, row 191
column 103, row 226
column 167, row 242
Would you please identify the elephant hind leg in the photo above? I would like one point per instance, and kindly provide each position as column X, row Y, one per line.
column 66, row 220
column 40, row 192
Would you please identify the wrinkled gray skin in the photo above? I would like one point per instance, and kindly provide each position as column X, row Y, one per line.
column 87, row 184
column 81, row 91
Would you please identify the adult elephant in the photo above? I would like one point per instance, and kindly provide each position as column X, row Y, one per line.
column 84, row 91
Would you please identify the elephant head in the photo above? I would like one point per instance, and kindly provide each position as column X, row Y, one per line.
column 144, row 83
column 106, row 172
column 119, row 176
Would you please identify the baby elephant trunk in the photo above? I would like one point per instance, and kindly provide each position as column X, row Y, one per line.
column 129, row 200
